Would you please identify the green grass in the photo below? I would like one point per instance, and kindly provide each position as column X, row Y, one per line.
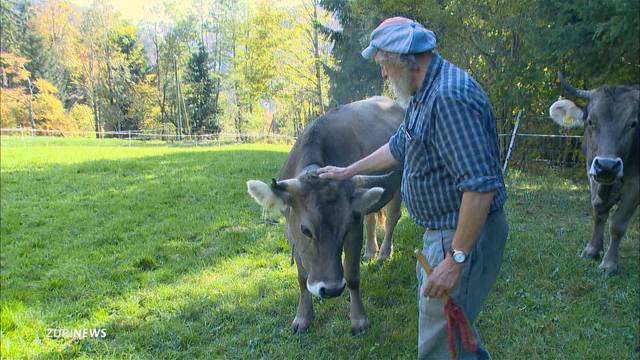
column 162, row 247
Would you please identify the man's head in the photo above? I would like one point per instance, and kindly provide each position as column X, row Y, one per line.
column 400, row 46
column 402, row 72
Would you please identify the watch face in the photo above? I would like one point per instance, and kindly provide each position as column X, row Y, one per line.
column 459, row 257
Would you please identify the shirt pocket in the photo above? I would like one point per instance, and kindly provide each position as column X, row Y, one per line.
column 416, row 152
column 421, row 157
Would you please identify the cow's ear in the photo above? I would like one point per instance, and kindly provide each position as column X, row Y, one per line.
column 365, row 199
column 264, row 195
column 566, row 114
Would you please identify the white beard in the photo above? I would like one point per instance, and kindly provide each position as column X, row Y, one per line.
column 401, row 88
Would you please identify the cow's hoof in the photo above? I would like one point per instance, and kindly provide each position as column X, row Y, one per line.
column 609, row 268
column 368, row 255
column 383, row 256
column 590, row 252
column 300, row 324
column 358, row 326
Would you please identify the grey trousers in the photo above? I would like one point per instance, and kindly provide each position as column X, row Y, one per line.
column 479, row 274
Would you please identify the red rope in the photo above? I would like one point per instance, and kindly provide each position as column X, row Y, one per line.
column 456, row 319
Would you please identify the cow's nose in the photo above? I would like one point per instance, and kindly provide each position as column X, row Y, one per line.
column 606, row 170
column 327, row 292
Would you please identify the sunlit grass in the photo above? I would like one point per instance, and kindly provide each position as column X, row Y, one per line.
column 162, row 247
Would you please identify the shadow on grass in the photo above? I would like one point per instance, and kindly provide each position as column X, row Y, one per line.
column 242, row 308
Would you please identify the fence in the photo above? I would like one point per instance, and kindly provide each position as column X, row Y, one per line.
column 528, row 149
column 131, row 137
column 543, row 150
column 532, row 148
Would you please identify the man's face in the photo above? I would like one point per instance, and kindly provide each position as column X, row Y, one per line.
column 401, row 81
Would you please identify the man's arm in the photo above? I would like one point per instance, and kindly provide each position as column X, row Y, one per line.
column 380, row 159
column 472, row 216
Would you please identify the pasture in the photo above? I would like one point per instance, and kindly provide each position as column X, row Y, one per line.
column 163, row 249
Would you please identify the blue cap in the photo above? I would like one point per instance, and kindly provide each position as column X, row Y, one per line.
column 400, row 35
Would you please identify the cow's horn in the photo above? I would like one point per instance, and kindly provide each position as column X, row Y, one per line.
column 290, row 185
column 572, row 90
column 388, row 180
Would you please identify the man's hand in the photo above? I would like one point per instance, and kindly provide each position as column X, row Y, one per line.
column 334, row 173
column 443, row 278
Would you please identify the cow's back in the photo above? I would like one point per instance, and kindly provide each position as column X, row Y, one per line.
column 344, row 135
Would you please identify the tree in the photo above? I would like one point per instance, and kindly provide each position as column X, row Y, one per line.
column 48, row 110
column 352, row 78
column 200, row 92
column 14, row 102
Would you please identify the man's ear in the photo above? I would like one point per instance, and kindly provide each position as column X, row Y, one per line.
column 566, row 114
column 364, row 199
column 264, row 195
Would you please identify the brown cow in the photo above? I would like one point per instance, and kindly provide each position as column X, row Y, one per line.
column 325, row 217
column 611, row 145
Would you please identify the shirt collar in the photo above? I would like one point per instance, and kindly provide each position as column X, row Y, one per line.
column 432, row 72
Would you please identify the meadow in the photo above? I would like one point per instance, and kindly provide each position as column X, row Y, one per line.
column 162, row 248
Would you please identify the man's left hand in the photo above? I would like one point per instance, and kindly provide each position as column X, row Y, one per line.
column 443, row 278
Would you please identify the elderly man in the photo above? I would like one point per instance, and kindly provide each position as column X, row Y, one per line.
column 451, row 184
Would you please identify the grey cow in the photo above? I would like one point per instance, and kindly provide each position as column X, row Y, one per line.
column 611, row 145
column 325, row 217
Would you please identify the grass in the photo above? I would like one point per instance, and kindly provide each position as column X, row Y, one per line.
column 161, row 247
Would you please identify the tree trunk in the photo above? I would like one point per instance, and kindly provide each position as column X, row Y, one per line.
column 316, row 55
column 33, row 123
column 94, row 92
column 186, row 126
column 156, row 43
column 178, row 112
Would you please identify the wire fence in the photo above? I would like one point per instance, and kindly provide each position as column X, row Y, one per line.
column 534, row 150
column 528, row 149
column 136, row 138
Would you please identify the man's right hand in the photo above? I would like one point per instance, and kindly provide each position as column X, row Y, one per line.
column 334, row 173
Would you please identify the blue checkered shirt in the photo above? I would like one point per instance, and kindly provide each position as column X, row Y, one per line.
column 448, row 144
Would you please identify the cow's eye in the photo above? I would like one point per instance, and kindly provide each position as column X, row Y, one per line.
column 589, row 122
column 633, row 124
column 306, row 232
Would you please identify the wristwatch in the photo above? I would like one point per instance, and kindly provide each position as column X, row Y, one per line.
column 458, row 256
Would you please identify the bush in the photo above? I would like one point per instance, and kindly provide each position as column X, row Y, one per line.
column 82, row 117
column 14, row 111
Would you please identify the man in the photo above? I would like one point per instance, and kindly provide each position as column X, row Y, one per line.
column 451, row 184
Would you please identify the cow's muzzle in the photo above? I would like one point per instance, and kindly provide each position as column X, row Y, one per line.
column 326, row 289
column 606, row 170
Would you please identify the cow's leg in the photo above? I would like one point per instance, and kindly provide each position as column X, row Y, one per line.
column 600, row 206
column 304, row 315
column 593, row 248
column 372, row 244
column 392, row 210
column 618, row 226
column 352, row 246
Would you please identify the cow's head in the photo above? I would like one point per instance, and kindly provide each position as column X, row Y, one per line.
column 610, row 119
column 320, row 215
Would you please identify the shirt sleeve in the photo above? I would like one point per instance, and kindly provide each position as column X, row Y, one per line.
column 396, row 143
column 464, row 144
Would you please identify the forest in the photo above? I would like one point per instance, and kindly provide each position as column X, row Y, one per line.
column 271, row 67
